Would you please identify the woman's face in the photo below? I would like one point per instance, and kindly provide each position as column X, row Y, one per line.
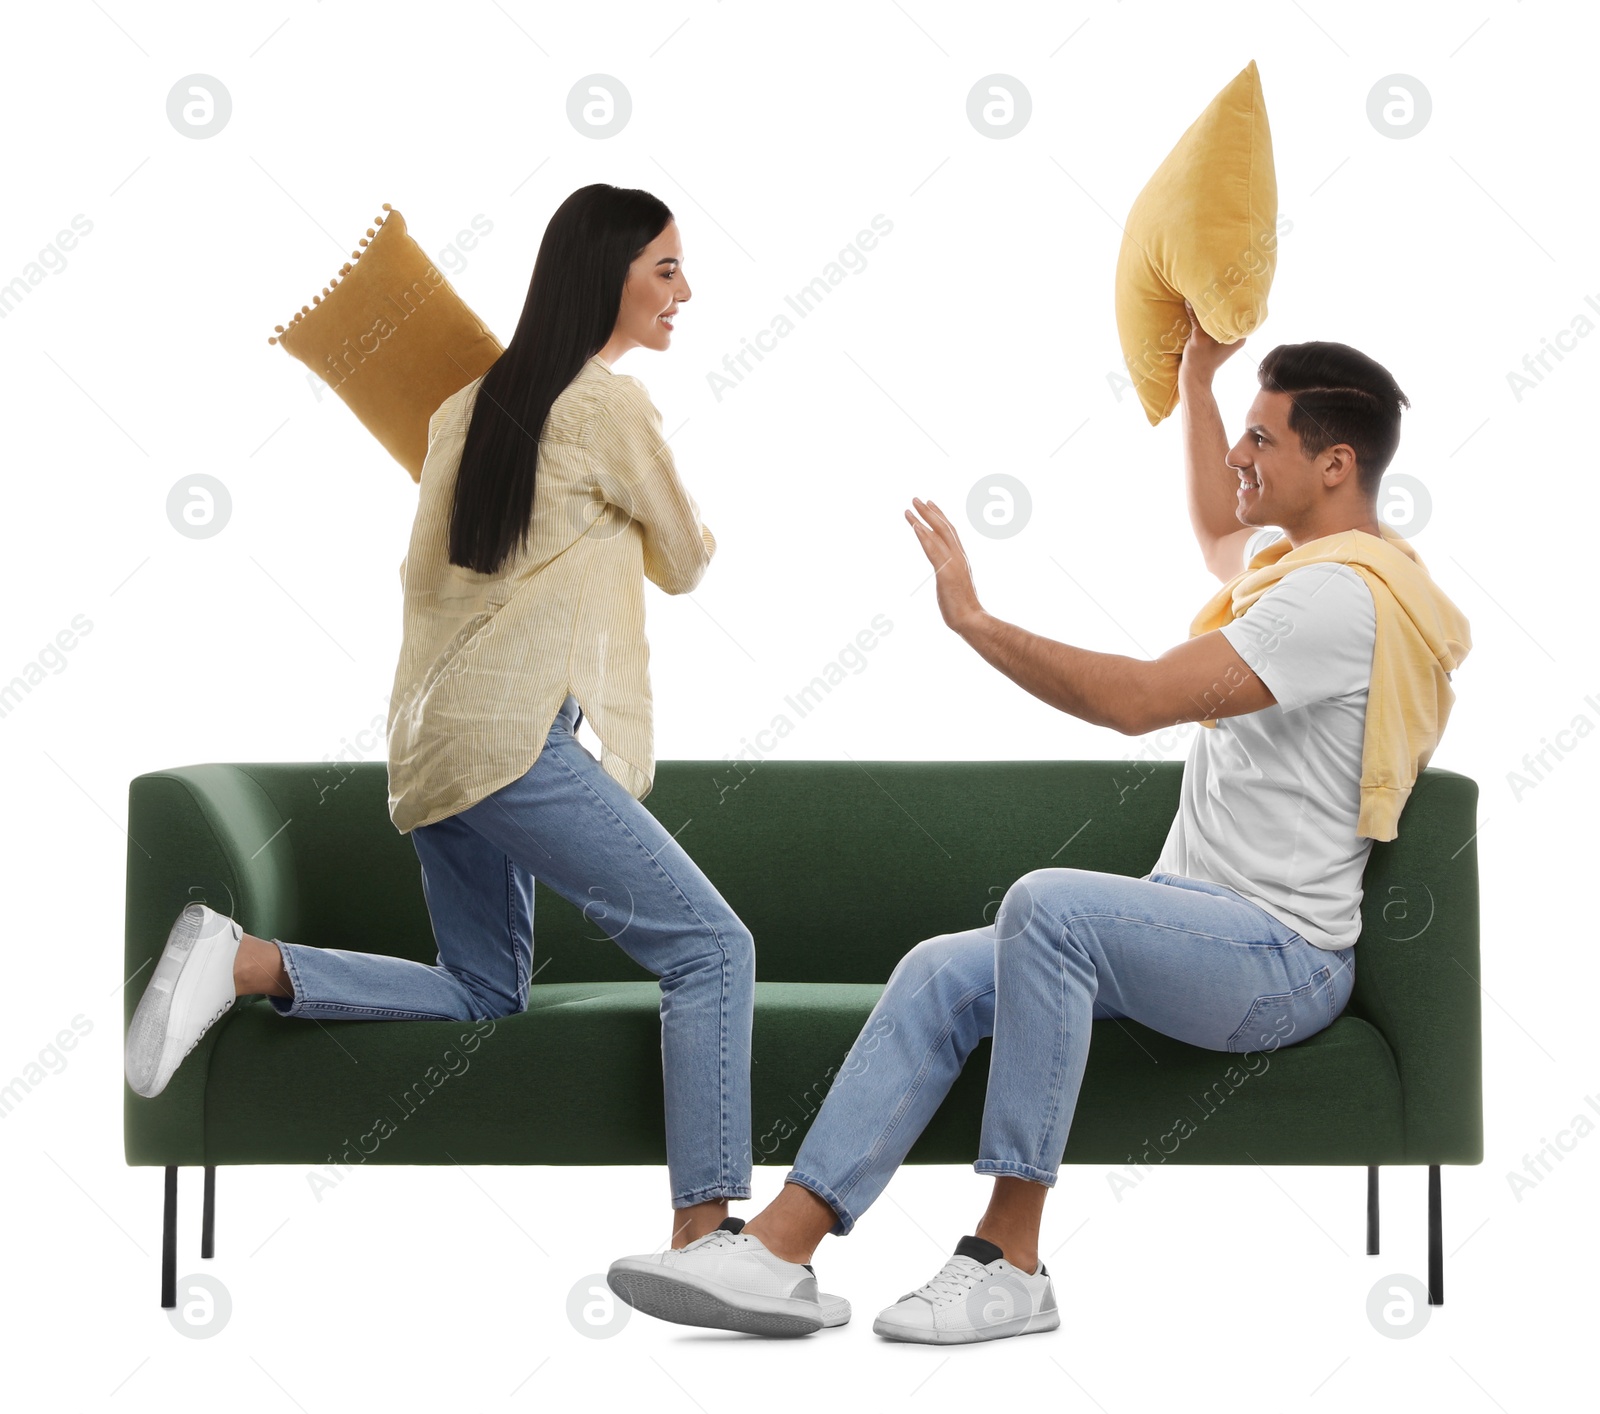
column 654, row 289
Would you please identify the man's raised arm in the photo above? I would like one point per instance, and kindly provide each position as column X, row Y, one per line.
column 1212, row 484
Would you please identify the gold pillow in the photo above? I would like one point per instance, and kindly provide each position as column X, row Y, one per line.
column 1205, row 229
column 392, row 338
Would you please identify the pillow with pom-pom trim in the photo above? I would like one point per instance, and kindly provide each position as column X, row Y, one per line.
column 392, row 338
column 1203, row 229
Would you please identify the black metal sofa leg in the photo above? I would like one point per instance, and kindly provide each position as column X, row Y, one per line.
column 169, row 1239
column 1435, row 1230
column 208, row 1214
column 1372, row 1210
column 169, row 1229
column 1435, row 1240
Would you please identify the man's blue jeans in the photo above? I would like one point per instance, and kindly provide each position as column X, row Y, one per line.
column 578, row 831
column 1191, row 959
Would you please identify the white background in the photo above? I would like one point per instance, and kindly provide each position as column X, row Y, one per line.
column 978, row 339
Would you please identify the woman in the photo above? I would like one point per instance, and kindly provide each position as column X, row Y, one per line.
column 547, row 495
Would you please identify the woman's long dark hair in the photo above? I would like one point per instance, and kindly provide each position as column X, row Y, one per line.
column 569, row 314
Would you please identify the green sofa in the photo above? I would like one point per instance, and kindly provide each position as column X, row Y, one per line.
column 838, row 868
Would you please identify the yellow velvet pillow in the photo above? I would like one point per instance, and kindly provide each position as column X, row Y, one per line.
column 1205, row 229
column 392, row 338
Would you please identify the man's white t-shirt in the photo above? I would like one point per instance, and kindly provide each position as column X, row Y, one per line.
column 1270, row 799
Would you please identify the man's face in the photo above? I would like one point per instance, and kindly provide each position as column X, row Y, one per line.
column 1276, row 481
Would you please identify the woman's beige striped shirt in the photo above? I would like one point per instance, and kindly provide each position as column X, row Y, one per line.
column 487, row 660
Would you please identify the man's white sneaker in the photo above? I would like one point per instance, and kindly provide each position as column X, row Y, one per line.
column 978, row 1295
column 729, row 1281
column 191, row 987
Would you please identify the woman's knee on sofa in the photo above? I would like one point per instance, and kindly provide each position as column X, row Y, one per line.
column 491, row 1003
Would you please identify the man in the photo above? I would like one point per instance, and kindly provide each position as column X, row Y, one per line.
column 1240, row 938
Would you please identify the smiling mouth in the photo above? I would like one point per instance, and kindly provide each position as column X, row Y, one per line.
column 667, row 318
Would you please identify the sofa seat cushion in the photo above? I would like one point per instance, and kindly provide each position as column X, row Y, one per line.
column 575, row 1079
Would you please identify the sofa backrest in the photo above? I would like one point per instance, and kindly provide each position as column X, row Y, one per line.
column 837, row 867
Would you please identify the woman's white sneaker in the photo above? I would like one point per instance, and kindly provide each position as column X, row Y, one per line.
column 191, row 987
column 977, row 1295
column 728, row 1281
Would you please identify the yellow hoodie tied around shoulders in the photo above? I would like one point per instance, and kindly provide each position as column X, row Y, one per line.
column 1422, row 637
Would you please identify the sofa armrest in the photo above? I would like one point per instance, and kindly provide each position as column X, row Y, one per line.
column 210, row 834
column 1418, row 967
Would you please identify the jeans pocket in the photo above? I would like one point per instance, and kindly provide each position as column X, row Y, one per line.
column 1282, row 1018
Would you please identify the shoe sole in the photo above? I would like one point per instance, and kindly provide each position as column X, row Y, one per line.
column 1021, row 1325
column 147, row 1032
column 686, row 1303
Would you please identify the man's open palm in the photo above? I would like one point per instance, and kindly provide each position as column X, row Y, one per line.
column 958, row 597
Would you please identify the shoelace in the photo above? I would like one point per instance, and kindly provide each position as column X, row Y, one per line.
column 220, row 1011
column 717, row 1237
column 955, row 1279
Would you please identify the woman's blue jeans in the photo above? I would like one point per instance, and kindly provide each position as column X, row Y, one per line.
column 576, row 829
column 1191, row 959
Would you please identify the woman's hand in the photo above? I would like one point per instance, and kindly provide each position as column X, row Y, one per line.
column 958, row 598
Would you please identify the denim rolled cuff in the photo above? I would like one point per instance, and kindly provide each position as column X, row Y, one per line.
column 733, row 1192
column 1009, row 1168
column 844, row 1218
column 287, row 1006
